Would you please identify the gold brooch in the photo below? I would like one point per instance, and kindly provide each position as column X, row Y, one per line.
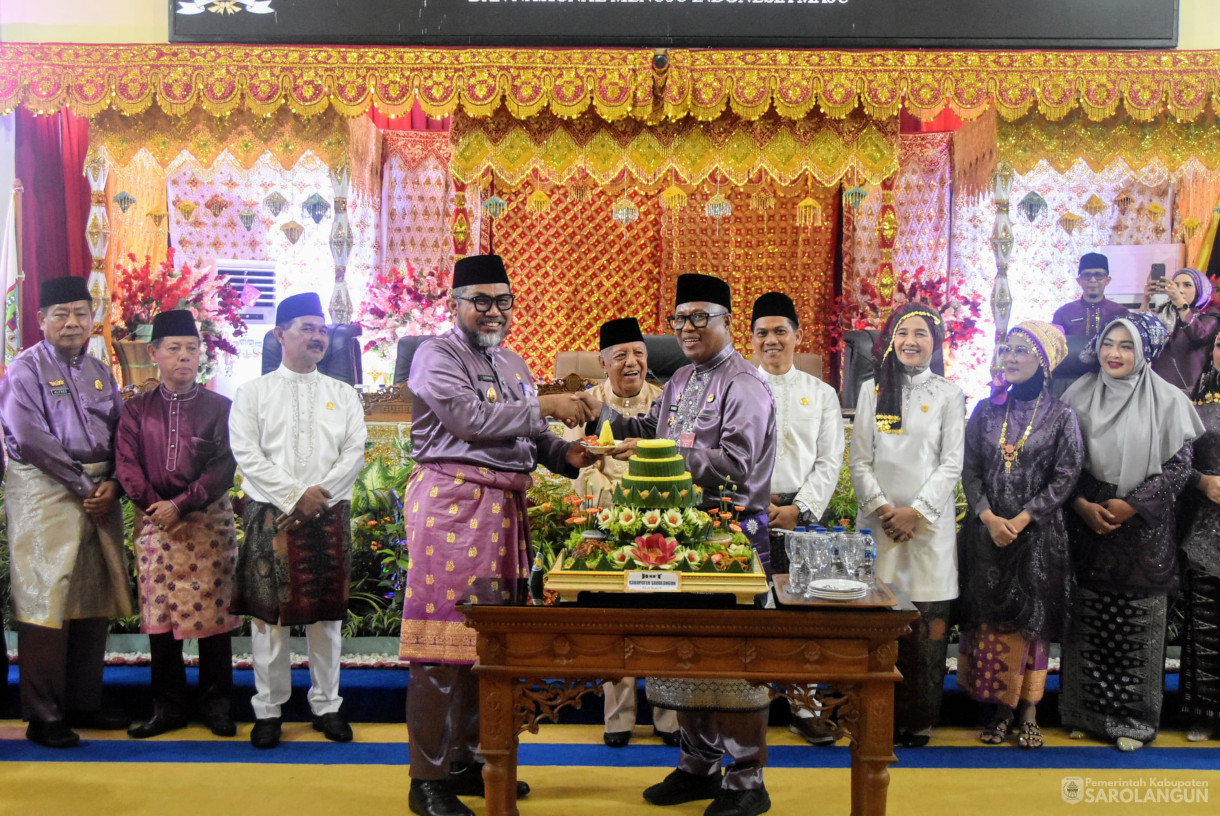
column 491, row 394
column 330, row 406
column 804, row 400
column 711, row 397
column 97, row 384
column 923, row 408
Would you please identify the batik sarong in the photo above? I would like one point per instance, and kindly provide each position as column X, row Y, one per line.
column 469, row 543
column 1113, row 675
column 1201, row 651
column 682, row 694
column 63, row 565
column 1004, row 668
column 186, row 573
column 296, row 576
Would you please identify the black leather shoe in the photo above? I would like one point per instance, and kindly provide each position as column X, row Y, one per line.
column 333, row 726
column 266, row 733
column 671, row 738
column 616, row 739
column 52, row 734
column 466, row 779
column 221, row 724
column 432, row 797
column 680, row 787
column 739, row 803
column 157, row 724
column 98, row 720
column 909, row 740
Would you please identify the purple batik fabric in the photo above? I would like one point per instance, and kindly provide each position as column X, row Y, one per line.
column 469, row 543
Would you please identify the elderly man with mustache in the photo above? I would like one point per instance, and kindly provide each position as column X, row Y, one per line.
column 298, row 437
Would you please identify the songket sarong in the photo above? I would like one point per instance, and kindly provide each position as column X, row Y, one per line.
column 998, row 667
column 1201, row 651
column 682, row 694
column 297, row 576
column 1114, row 664
column 63, row 566
column 469, row 543
column 186, row 574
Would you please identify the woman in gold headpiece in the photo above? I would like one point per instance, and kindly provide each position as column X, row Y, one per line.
column 1024, row 454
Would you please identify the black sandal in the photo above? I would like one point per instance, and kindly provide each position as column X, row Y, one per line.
column 996, row 731
column 1030, row 736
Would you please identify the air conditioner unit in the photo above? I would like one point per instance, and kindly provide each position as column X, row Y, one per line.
column 260, row 275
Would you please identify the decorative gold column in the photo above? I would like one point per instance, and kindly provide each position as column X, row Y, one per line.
column 1001, row 244
column 97, row 232
column 887, row 234
column 340, row 247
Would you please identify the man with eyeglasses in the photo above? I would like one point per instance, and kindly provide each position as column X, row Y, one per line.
column 479, row 431
column 1083, row 319
column 1087, row 316
column 720, row 412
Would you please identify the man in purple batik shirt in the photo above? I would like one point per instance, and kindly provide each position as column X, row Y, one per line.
column 721, row 413
column 60, row 408
column 479, row 429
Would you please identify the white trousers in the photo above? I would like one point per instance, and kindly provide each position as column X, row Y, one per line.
column 273, row 667
column 620, row 705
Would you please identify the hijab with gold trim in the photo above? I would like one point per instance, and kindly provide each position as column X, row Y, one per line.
column 888, row 372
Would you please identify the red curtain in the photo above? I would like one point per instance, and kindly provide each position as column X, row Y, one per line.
column 416, row 120
column 50, row 162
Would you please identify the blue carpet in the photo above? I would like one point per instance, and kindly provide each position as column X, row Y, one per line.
column 569, row 755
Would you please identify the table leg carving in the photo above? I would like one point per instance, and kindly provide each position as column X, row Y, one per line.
column 498, row 744
column 535, row 700
column 871, row 719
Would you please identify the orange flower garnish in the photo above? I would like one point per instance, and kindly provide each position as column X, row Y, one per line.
column 715, row 524
column 739, row 508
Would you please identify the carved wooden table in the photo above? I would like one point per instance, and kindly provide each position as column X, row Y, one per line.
column 535, row 660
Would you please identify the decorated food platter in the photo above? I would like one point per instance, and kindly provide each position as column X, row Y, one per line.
column 654, row 538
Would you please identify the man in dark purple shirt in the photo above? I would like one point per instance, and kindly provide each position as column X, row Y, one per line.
column 60, row 408
column 721, row 413
column 1087, row 316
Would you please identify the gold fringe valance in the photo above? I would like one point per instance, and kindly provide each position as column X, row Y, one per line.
column 1144, row 84
column 309, row 79
column 554, row 150
column 974, row 156
column 1162, row 147
column 246, row 136
column 615, row 82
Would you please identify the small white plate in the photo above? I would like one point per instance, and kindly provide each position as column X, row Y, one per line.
column 837, row 586
column 600, row 448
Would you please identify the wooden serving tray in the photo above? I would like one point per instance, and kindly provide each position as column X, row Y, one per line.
column 879, row 595
column 569, row 584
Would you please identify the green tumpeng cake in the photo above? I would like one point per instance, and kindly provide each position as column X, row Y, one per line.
column 657, row 477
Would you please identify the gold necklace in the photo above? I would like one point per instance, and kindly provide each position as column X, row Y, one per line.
column 1009, row 453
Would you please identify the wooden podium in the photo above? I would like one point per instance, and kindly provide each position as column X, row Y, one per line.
column 532, row 661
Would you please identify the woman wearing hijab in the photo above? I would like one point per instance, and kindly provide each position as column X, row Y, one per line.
column 1200, row 672
column 1024, row 454
column 1192, row 326
column 1138, row 430
column 906, row 459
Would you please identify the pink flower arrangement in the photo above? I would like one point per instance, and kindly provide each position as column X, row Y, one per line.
column 655, row 550
column 862, row 309
column 399, row 303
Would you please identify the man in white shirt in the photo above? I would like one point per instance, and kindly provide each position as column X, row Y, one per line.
column 808, row 444
column 298, row 437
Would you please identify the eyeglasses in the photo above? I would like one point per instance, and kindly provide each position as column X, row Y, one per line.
column 697, row 320
column 482, row 303
column 1015, row 351
column 1093, row 275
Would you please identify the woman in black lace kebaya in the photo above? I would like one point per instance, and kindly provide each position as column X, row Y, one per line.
column 1138, row 430
column 1024, row 454
column 1200, row 673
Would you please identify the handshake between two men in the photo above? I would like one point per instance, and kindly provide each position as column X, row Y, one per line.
column 572, row 409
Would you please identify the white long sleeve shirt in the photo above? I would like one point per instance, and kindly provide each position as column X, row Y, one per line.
column 292, row 431
column 918, row 468
column 808, row 439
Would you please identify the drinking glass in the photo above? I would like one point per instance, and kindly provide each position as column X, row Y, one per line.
column 851, row 552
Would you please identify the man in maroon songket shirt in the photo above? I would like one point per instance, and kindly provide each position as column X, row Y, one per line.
column 173, row 460
column 479, row 430
column 60, row 408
